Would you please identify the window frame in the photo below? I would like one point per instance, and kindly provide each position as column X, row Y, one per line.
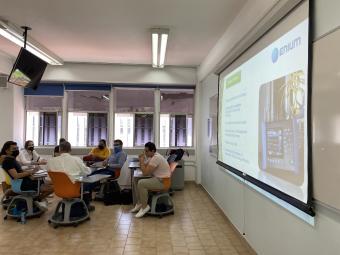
column 87, row 127
column 58, row 132
column 134, row 126
column 177, row 114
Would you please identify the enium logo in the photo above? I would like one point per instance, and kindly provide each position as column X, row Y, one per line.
column 278, row 52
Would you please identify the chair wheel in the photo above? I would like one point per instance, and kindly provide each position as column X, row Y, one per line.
column 5, row 217
column 49, row 222
column 75, row 225
column 172, row 213
column 55, row 226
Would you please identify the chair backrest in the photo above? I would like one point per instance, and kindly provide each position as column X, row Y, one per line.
column 63, row 186
column 167, row 181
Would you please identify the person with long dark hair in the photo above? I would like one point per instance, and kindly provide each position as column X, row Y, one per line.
column 14, row 171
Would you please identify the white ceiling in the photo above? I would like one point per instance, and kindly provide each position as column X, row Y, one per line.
column 117, row 31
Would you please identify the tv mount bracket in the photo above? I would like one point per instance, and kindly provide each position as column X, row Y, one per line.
column 25, row 28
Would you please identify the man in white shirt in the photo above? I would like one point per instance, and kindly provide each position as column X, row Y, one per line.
column 151, row 164
column 71, row 165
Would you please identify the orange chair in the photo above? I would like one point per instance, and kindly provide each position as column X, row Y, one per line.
column 70, row 194
column 163, row 196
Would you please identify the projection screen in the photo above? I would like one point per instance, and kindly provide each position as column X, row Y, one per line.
column 264, row 111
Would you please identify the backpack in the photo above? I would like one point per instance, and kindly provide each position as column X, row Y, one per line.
column 175, row 155
column 111, row 193
column 126, row 196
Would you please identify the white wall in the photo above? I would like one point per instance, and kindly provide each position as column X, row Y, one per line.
column 269, row 228
column 11, row 114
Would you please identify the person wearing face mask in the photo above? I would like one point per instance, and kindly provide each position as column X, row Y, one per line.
column 100, row 153
column 14, row 171
column 28, row 156
column 115, row 161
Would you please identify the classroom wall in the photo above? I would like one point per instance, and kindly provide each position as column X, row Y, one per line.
column 11, row 114
column 268, row 227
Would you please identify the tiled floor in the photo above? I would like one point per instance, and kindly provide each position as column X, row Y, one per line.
column 198, row 227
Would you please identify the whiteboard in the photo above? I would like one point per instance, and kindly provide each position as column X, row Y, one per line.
column 326, row 119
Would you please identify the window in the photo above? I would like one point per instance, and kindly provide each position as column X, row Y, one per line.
column 97, row 128
column 87, row 117
column 176, row 118
column 134, row 117
column 43, row 119
column 143, row 129
column 124, row 128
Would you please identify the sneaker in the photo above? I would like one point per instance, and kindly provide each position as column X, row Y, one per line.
column 41, row 205
column 136, row 208
column 142, row 212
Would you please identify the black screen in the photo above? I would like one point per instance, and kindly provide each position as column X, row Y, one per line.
column 27, row 70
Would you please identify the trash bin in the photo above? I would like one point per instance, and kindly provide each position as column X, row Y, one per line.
column 177, row 178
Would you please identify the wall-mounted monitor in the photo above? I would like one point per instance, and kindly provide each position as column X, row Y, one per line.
column 27, row 70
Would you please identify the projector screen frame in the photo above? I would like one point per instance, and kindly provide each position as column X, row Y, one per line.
column 308, row 206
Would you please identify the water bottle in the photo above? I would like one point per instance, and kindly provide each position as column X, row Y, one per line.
column 23, row 217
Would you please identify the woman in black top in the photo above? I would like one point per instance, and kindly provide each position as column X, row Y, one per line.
column 13, row 169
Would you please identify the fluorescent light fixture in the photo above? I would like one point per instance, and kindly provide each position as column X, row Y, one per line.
column 15, row 35
column 159, row 42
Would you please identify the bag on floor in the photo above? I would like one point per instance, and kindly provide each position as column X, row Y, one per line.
column 78, row 210
column 126, row 197
column 111, row 193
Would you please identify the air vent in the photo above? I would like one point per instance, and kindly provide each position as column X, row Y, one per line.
column 3, row 81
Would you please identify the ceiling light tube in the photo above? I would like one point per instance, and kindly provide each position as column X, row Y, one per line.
column 14, row 34
column 159, row 43
column 154, row 50
column 164, row 39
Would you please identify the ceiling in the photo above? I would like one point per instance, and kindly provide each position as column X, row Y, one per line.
column 118, row 31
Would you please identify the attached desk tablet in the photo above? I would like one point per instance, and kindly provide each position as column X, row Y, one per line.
column 90, row 179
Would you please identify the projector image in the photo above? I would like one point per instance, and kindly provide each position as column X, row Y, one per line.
column 281, row 128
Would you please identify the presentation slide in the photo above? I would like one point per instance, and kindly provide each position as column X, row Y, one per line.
column 263, row 114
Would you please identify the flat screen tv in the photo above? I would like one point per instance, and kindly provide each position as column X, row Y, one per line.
column 27, row 70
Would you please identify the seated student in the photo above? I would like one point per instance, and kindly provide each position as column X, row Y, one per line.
column 13, row 169
column 156, row 166
column 115, row 161
column 28, row 156
column 56, row 149
column 71, row 165
column 100, row 153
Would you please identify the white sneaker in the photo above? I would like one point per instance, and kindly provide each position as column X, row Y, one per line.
column 136, row 208
column 41, row 205
column 142, row 212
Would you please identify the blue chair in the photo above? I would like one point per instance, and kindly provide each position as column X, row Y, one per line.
column 22, row 205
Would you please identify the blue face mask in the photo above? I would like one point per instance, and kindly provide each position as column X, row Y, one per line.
column 117, row 148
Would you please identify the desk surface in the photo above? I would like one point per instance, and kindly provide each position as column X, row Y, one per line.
column 92, row 178
column 139, row 174
column 133, row 164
